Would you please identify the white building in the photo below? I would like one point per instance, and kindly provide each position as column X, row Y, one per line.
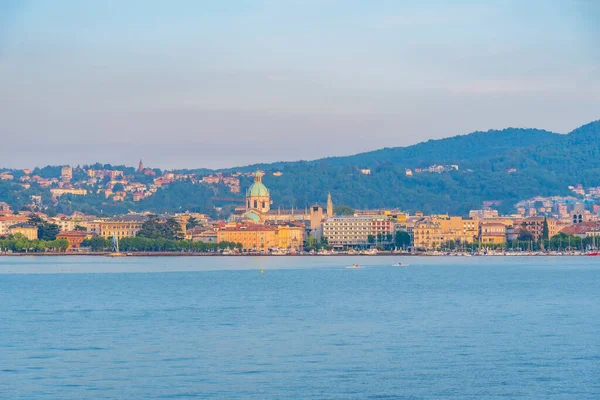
column 342, row 232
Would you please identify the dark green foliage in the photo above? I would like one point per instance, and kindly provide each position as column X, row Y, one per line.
column 133, row 244
column 343, row 210
column 545, row 230
column 402, row 239
column 525, row 236
column 97, row 243
column 46, row 230
column 153, row 228
column 192, row 223
column 546, row 164
column 19, row 243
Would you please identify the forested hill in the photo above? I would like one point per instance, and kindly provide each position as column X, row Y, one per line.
column 507, row 165
column 450, row 175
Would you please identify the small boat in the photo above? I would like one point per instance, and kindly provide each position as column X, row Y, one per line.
column 593, row 254
column 400, row 265
column 353, row 266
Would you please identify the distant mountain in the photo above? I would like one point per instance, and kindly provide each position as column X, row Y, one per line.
column 506, row 165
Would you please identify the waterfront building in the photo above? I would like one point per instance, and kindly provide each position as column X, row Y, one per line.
column 290, row 237
column 263, row 238
column 27, row 230
column 535, row 226
column 427, row 234
column 458, row 229
column 346, row 232
column 122, row 226
column 492, row 233
column 253, row 237
column 6, row 221
column 73, row 237
column 204, row 235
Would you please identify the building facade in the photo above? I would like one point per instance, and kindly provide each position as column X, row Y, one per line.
column 27, row 230
column 492, row 233
column 120, row 227
column 73, row 237
column 345, row 232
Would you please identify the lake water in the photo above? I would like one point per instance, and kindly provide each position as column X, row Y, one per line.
column 307, row 328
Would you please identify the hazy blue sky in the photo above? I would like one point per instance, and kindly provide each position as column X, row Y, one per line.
column 215, row 83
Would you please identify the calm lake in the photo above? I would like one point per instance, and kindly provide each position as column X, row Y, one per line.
column 306, row 328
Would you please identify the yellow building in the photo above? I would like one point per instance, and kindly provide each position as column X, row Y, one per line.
column 435, row 231
column 126, row 226
column 264, row 238
column 492, row 233
column 252, row 237
column 290, row 237
column 27, row 230
column 428, row 234
column 459, row 229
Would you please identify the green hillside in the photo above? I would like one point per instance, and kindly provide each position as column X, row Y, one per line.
column 546, row 164
column 505, row 165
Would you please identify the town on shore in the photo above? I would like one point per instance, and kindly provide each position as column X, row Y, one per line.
column 540, row 226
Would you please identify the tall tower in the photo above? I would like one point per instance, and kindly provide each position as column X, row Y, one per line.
column 329, row 206
column 141, row 166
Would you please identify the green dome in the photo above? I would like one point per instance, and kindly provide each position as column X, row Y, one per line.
column 257, row 189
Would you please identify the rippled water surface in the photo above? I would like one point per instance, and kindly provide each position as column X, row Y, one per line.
column 217, row 328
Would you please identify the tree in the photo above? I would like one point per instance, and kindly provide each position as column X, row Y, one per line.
column 402, row 239
column 46, row 230
column 118, row 187
column 97, row 243
column 192, row 223
column 371, row 239
column 155, row 229
column 80, row 228
column 545, row 231
column 310, row 243
column 343, row 210
column 525, row 236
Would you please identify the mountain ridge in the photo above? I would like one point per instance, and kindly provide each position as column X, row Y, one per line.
column 505, row 166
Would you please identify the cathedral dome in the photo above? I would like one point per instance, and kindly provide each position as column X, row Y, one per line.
column 258, row 189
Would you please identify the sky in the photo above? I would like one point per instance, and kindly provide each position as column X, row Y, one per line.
column 213, row 83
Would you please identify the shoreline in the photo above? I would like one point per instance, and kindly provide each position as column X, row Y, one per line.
column 184, row 254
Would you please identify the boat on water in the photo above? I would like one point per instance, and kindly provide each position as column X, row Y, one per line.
column 353, row 266
column 593, row 254
column 399, row 265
